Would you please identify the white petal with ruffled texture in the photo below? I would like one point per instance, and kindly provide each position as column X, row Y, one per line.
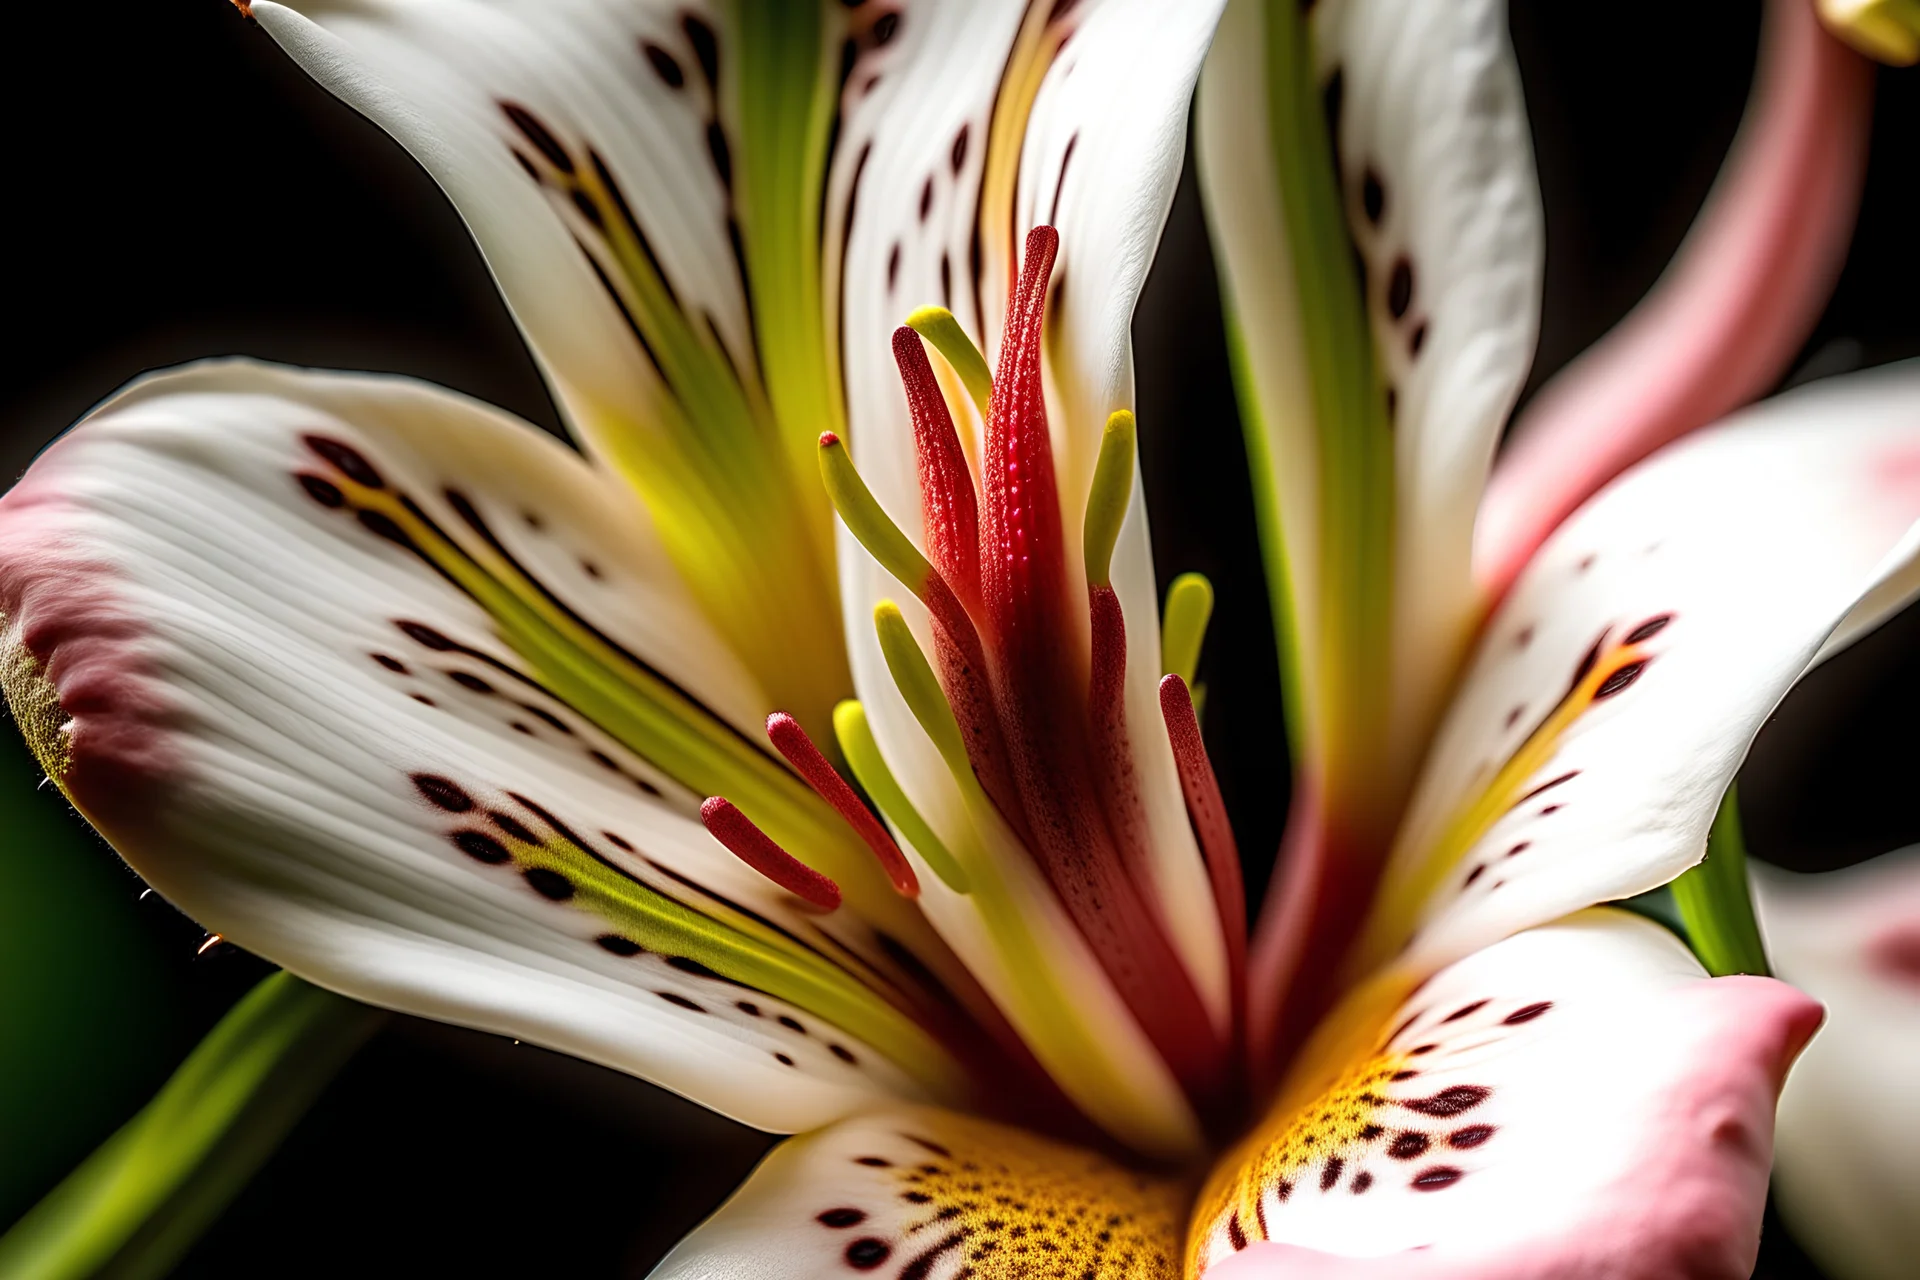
column 324, row 750
column 1616, row 691
column 1848, row 1171
column 1578, row 1100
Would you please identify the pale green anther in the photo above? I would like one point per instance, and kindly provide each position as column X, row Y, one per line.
column 1716, row 901
column 141, row 1200
column 913, row 674
column 866, row 521
column 937, row 325
column 1108, row 497
column 870, row 767
column 1183, row 626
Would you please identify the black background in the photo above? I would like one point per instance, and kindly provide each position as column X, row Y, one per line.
column 176, row 189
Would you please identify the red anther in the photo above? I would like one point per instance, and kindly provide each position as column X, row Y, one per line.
column 756, row 848
column 1022, row 562
column 947, row 502
column 1208, row 813
column 792, row 742
column 828, row 439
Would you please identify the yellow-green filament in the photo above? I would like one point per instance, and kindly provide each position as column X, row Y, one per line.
column 1107, row 499
column 913, row 674
column 937, row 325
column 870, row 767
column 1183, row 625
column 1885, row 30
column 867, row 521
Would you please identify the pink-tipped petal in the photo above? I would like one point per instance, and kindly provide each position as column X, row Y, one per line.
column 1728, row 315
column 1575, row 1102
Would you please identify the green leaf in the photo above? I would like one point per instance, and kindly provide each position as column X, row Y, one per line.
column 1716, row 904
column 140, row 1201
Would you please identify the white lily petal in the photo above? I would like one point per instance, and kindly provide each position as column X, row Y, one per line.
column 1437, row 185
column 987, row 119
column 245, row 631
column 1847, row 1174
column 1578, row 1100
column 924, row 1194
column 1617, row 689
column 592, row 150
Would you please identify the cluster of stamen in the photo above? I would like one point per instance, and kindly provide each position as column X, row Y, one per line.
column 1027, row 707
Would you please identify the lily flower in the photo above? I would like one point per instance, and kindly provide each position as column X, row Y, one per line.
column 399, row 693
column 1847, row 1175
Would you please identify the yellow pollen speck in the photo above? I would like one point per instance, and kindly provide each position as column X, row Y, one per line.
column 35, row 704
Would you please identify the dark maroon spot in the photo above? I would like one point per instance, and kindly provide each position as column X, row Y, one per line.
column 527, row 166
column 513, row 826
column 1548, row 809
column 604, row 760
column 1400, row 287
column 1441, row 1175
column 706, row 46
column 589, row 210
column 1649, row 629
column 618, row 841
column 688, row 965
column 1513, row 716
column 946, row 283
column 680, row 1002
column 553, row 721
column 1408, row 1146
column 521, row 726
column 721, row 154
column 1417, row 339
column 1519, row 848
column 1523, row 637
column 875, row 1162
column 1450, row 1101
column 345, row 459
column 618, row 945
column 843, row 1053
column 1236, row 1234
column 783, row 1059
column 1586, row 563
column 390, row 662
column 747, row 1007
column 1393, row 404
column 1619, row 680
column 791, row 1023
column 841, row 1218
column 321, row 490
column 1588, row 661
column 548, row 883
column 380, row 524
column 1465, row 1011
column 481, row 847
column 467, row 680
column 1471, row 1136
column 1400, row 1076
column 534, row 522
column 421, row 633
column 424, row 700
column 893, row 266
column 1331, row 1173
column 1362, row 1181
column 1417, row 1050
column 1479, row 869
column 1369, row 1132
column 665, row 65
column 926, row 199
column 958, row 155
column 1404, row 1026
column 591, row 569
column 886, row 28
column 539, row 135
column 1373, row 196
column 443, row 792
column 1332, row 98
column 1548, row 785
column 1527, row 1014
column 927, row 1144
column 867, row 1253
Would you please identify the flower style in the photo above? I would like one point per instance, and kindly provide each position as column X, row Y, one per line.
column 437, row 713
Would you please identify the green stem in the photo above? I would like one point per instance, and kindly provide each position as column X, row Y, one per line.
column 140, row 1201
column 1716, row 903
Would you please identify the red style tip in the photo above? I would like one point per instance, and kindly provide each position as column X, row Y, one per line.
column 949, row 509
column 793, row 743
column 828, row 439
column 1208, row 813
column 756, row 848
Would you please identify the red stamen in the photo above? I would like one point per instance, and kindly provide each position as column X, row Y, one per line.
column 1208, row 813
column 1107, row 709
column 948, row 505
column 793, row 743
column 756, row 848
column 1022, row 569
